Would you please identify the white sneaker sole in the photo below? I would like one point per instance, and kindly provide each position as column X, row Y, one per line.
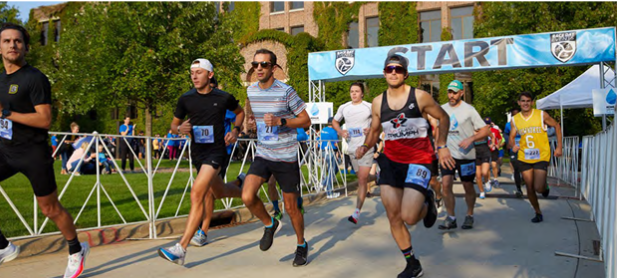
column 12, row 256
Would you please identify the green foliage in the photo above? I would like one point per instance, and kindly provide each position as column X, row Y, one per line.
column 9, row 13
column 333, row 20
column 495, row 92
column 247, row 15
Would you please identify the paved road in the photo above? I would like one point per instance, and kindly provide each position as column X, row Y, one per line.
column 503, row 243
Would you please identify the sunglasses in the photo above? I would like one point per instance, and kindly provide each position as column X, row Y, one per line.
column 263, row 64
column 397, row 69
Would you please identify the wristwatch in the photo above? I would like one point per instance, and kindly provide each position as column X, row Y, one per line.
column 283, row 122
column 6, row 113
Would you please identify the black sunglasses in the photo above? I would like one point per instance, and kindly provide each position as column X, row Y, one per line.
column 263, row 64
column 397, row 69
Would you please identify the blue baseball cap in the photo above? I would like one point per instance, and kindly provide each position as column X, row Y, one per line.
column 455, row 86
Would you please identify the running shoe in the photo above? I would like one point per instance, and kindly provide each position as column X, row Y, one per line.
column 448, row 224
column 199, row 239
column 266, row 241
column 278, row 215
column 241, row 178
column 519, row 193
column 495, row 183
column 488, row 187
column 174, row 254
column 468, row 223
column 439, row 203
column 352, row 219
column 546, row 192
column 539, row 218
column 77, row 262
column 431, row 214
column 301, row 258
column 482, row 195
column 9, row 253
column 412, row 270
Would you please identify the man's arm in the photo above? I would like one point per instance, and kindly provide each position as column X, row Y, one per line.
column 512, row 136
column 428, row 105
column 232, row 136
column 337, row 126
column 551, row 122
column 39, row 119
column 374, row 131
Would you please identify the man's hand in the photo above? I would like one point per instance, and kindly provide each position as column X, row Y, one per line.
column 516, row 148
column 361, row 151
column 231, row 137
column 466, row 143
column 271, row 120
column 365, row 131
column 344, row 134
column 445, row 159
column 558, row 152
column 186, row 127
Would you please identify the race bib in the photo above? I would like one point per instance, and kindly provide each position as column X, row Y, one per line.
column 468, row 169
column 204, row 134
column 355, row 132
column 267, row 133
column 6, row 129
column 532, row 154
column 418, row 175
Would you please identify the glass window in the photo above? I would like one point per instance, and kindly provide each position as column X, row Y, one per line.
column 461, row 21
column 44, row 33
column 280, row 29
column 57, row 31
column 277, row 7
column 430, row 84
column 231, row 6
column 353, row 38
column 430, row 25
column 297, row 5
column 297, row 30
column 372, row 32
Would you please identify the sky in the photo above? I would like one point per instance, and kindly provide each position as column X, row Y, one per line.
column 24, row 7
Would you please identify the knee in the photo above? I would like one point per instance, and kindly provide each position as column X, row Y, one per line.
column 292, row 209
column 248, row 198
column 410, row 219
column 52, row 210
column 197, row 198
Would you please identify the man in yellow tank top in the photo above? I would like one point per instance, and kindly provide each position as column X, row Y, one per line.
column 535, row 151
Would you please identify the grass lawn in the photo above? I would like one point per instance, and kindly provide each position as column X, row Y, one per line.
column 19, row 190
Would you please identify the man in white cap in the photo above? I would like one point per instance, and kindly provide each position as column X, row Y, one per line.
column 205, row 108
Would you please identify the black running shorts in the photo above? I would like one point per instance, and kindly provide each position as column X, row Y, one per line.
column 542, row 165
column 218, row 159
column 32, row 160
column 494, row 155
column 466, row 170
column 400, row 175
column 287, row 174
column 483, row 154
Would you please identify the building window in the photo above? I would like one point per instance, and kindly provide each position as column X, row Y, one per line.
column 372, row 32
column 280, row 29
column 231, row 6
column 353, row 38
column 57, row 31
column 296, row 5
column 430, row 84
column 277, row 7
column 297, row 30
column 461, row 21
column 44, row 33
column 430, row 26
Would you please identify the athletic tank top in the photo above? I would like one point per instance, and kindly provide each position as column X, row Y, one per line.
column 534, row 139
column 406, row 132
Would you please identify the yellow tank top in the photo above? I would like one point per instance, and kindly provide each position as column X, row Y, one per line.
column 534, row 139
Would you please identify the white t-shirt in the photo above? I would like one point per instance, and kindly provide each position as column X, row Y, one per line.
column 357, row 118
column 464, row 120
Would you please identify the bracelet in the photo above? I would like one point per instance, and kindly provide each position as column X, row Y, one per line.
column 365, row 145
column 239, row 129
column 442, row 147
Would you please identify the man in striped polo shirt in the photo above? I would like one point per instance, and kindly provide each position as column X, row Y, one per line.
column 278, row 111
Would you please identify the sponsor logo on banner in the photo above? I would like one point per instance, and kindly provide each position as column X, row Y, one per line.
column 563, row 45
column 604, row 101
column 345, row 60
column 319, row 112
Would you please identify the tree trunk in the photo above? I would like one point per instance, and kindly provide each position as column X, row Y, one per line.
column 148, row 114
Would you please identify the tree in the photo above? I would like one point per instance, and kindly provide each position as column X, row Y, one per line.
column 139, row 53
column 495, row 92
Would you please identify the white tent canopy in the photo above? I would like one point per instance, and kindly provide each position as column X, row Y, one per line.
column 577, row 94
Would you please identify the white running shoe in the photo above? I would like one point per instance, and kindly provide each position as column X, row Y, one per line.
column 482, row 195
column 77, row 262
column 174, row 254
column 488, row 186
column 495, row 183
column 9, row 253
column 199, row 239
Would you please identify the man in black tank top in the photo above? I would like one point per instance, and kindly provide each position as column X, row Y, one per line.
column 25, row 101
column 404, row 177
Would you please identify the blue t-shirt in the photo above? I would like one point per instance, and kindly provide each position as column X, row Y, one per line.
column 123, row 128
column 172, row 143
column 102, row 157
column 302, row 136
column 230, row 118
column 506, row 133
column 328, row 134
column 54, row 141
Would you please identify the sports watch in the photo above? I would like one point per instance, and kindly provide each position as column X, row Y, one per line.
column 6, row 113
column 283, row 122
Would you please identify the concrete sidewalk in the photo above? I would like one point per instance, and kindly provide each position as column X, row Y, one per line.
column 503, row 243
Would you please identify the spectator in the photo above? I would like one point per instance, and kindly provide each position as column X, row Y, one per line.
column 104, row 161
column 66, row 149
column 125, row 130
column 142, row 146
column 328, row 143
column 156, row 146
column 87, row 166
column 54, row 145
column 172, row 145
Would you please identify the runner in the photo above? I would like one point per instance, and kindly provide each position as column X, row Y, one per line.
column 483, row 164
column 435, row 182
column 516, row 173
column 205, row 108
column 278, row 111
column 466, row 126
column 535, row 151
column 25, row 102
column 357, row 116
column 406, row 161
column 495, row 146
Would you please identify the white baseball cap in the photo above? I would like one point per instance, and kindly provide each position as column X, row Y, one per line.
column 202, row 63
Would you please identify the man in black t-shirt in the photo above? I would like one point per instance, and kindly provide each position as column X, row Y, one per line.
column 205, row 108
column 25, row 102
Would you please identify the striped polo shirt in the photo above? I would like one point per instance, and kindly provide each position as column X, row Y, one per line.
column 282, row 101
